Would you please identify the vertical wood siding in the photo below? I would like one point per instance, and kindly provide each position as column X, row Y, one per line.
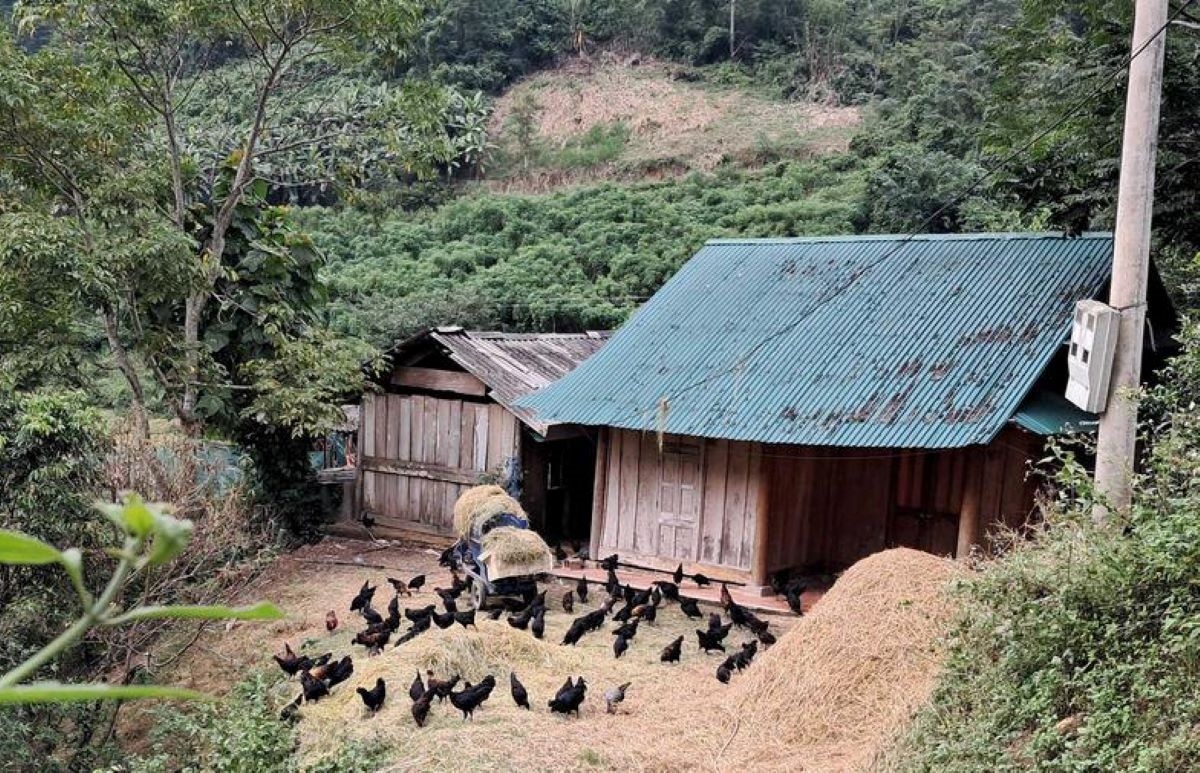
column 420, row 452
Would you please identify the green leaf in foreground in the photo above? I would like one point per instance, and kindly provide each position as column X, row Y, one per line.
column 263, row 610
column 58, row 692
column 18, row 548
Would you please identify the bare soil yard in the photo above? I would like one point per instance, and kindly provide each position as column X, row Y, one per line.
column 787, row 711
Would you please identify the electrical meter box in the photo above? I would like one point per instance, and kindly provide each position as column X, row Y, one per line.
column 1090, row 358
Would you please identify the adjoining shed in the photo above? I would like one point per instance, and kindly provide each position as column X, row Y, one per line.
column 802, row 403
column 446, row 419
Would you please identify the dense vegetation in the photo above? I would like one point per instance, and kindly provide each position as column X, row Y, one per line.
column 224, row 256
column 574, row 260
column 1080, row 650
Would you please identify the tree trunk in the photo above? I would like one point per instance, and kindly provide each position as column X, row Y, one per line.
column 137, row 395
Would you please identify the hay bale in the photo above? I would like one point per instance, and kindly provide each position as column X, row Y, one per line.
column 835, row 691
column 515, row 546
column 489, row 507
column 468, row 500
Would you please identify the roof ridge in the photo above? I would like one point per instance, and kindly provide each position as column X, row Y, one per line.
column 979, row 236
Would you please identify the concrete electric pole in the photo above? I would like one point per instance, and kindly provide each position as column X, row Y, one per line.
column 1131, row 254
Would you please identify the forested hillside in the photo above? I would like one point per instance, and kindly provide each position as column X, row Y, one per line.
column 950, row 94
column 212, row 214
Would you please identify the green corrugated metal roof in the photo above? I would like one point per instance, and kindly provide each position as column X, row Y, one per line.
column 869, row 341
column 1049, row 413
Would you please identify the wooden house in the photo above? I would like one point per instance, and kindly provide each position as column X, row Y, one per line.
column 802, row 403
column 445, row 418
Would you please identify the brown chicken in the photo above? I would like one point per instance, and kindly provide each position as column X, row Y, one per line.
column 331, row 621
column 420, row 708
column 568, row 602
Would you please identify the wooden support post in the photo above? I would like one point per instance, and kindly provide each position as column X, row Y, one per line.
column 970, row 527
column 759, row 582
column 599, row 492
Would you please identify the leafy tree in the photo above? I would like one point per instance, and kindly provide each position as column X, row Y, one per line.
column 149, row 54
column 1056, row 52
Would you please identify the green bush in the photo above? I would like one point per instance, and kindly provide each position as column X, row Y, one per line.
column 565, row 261
column 242, row 733
column 1080, row 650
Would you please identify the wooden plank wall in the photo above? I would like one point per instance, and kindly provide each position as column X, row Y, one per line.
column 832, row 506
column 829, row 507
column 651, row 505
column 420, row 452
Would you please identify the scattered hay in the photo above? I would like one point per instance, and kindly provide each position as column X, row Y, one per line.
column 467, row 502
column 835, row 691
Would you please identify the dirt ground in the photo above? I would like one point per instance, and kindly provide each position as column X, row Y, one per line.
column 678, row 700
column 673, row 123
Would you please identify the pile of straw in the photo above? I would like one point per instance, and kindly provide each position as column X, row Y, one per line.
column 837, row 689
column 515, row 546
column 478, row 504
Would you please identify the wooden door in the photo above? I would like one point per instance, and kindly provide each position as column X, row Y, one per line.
column 679, row 498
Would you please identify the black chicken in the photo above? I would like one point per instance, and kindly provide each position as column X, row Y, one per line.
column 521, row 619
column 656, row 596
column 569, row 698
column 708, row 641
column 766, row 638
column 519, row 694
column 690, row 608
column 417, row 688
column 370, row 615
column 671, row 652
column 620, row 644
column 624, row 613
column 744, row 657
column 647, row 612
column 670, row 590
column 465, row 618
column 792, row 595
column 568, row 602
column 678, row 575
column 470, row 697
column 443, row 621
column 314, row 689
column 581, row 589
column 538, row 626
column 610, row 562
column 575, row 632
column 415, row 615
column 701, row 580
column 725, row 670
column 374, row 697
column 628, row 630
column 415, row 583
column 339, row 671
column 393, row 616
column 365, row 594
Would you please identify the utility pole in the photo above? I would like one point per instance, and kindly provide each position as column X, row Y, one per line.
column 1131, row 256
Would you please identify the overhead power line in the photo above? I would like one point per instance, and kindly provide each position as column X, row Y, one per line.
column 1107, row 82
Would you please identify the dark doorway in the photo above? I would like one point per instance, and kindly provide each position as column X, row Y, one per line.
column 558, row 486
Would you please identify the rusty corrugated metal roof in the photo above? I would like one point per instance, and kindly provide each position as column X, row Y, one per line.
column 513, row 365
column 868, row 341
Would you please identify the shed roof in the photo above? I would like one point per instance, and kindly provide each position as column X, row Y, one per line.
column 868, row 341
column 513, row 365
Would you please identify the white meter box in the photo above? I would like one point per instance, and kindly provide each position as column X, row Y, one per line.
column 1090, row 358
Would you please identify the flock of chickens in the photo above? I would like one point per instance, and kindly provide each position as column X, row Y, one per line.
column 319, row 675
